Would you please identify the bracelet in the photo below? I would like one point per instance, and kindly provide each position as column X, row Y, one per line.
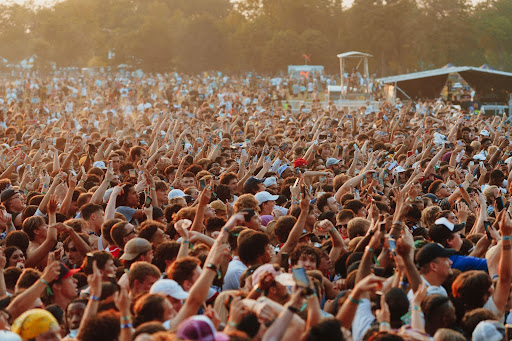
column 213, row 267
column 258, row 290
column 128, row 325
column 107, row 180
column 152, row 188
column 233, row 324
column 226, row 230
column 186, row 242
column 369, row 249
column 353, row 300
column 48, row 288
column 95, row 298
column 385, row 323
column 295, row 202
column 397, row 223
column 293, row 309
column 506, row 238
column 126, row 318
column 416, row 308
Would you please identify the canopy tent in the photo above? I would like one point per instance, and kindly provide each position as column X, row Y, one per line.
column 490, row 85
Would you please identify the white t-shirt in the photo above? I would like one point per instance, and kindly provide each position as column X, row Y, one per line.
column 362, row 320
column 232, row 278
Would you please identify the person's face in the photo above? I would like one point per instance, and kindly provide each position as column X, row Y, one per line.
column 399, row 138
column 308, row 262
column 176, row 304
column 255, row 222
column 187, row 182
column 325, row 263
column 51, row 335
column 159, row 237
column 456, row 241
column 74, row 314
column 116, row 162
column 109, row 269
column 333, row 205
column 132, row 199
column 326, row 152
column 452, row 218
column 16, row 257
column 443, row 267
column 73, row 255
column 363, row 212
column 443, row 192
column 169, row 311
column 161, row 196
column 233, row 184
column 129, row 233
column 68, row 287
column 16, row 203
column 146, row 284
column 287, row 173
column 194, row 193
column 268, row 206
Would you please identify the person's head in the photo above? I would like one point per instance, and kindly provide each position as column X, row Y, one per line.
column 93, row 214
column 434, row 262
column 165, row 254
column 357, row 227
column 171, row 290
column 356, row 206
column 153, row 232
column 104, row 262
column 283, row 227
column 13, row 200
column 129, row 196
column 326, row 202
column 35, row 227
column 121, row 233
column 37, row 325
column 74, row 313
column 446, row 334
column 74, row 256
column 446, row 233
column 252, row 219
column 253, row 247
column 14, row 255
column 64, row 287
column 19, row 239
column 231, row 180
column 152, row 307
column 102, row 326
column 187, row 180
column 137, row 249
column 473, row 317
column 185, row 271
column 439, row 189
column 327, row 330
column 246, row 201
column 472, row 289
column 305, row 256
column 141, row 277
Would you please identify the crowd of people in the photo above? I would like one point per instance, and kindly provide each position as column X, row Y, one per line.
column 175, row 207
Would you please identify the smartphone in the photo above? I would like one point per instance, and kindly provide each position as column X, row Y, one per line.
column 487, row 224
column 90, row 259
column 448, row 145
column 147, row 201
column 481, row 163
column 133, row 173
column 392, row 246
column 302, row 280
column 284, row 261
column 202, row 184
column 499, row 203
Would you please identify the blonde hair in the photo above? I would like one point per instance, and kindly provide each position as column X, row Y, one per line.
column 246, row 201
column 428, row 216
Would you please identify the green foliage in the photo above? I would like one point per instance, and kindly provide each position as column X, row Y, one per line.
column 259, row 35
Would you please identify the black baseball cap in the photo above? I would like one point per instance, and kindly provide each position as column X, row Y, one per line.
column 432, row 251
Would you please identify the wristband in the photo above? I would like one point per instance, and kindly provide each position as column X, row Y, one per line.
column 128, row 325
column 95, row 298
column 293, row 309
column 369, row 249
column 385, row 323
column 126, row 318
column 233, row 324
column 353, row 300
column 48, row 288
column 186, row 242
column 226, row 230
column 506, row 238
column 213, row 267
column 416, row 308
column 258, row 290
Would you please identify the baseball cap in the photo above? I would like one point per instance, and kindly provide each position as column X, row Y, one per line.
column 488, row 330
column 270, row 181
column 8, row 194
column 281, row 169
column 331, row 161
column 199, row 328
column 33, row 323
column 168, row 287
column 135, row 247
column 176, row 193
column 218, row 205
column 99, row 164
column 265, row 196
column 485, row 133
column 443, row 229
column 432, row 197
column 65, row 272
column 432, row 251
column 300, row 162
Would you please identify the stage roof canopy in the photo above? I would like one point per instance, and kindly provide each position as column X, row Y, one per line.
column 490, row 85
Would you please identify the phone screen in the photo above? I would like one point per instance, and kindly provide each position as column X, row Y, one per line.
column 392, row 245
column 148, row 201
column 133, row 174
column 202, row 183
column 302, row 280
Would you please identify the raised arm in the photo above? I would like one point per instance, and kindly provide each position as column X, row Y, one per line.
column 502, row 292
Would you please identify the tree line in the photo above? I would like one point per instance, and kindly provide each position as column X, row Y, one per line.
column 258, row 35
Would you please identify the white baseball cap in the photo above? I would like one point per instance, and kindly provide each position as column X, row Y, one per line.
column 265, row 196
